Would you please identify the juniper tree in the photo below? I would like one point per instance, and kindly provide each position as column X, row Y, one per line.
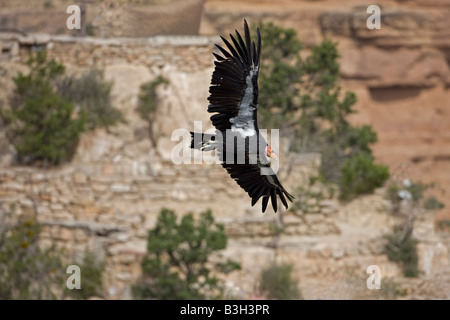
column 177, row 264
column 302, row 97
column 148, row 104
column 41, row 123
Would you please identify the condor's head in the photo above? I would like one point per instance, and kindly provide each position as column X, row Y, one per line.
column 270, row 154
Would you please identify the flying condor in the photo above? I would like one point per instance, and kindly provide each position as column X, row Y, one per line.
column 233, row 99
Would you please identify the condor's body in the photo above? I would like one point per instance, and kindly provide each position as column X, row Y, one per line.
column 233, row 99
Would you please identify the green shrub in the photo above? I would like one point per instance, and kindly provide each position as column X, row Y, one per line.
column 176, row 265
column 48, row 110
column 390, row 290
column 91, row 93
column 302, row 97
column 401, row 248
column 48, row 4
column 148, row 99
column 408, row 203
column 41, row 123
column 90, row 30
column 31, row 271
column 361, row 175
column 432, row 203
column 148, row 104
column 276, row 282
column 27, row 271
column 444, row 225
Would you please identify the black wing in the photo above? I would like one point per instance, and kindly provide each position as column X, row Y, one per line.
column 257, row 185
column 233, row 98
column 234, row 85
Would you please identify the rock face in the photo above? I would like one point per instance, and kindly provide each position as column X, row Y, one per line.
column 108, row 18
column 110, row 194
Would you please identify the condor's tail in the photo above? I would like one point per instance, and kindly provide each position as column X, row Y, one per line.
column 203, row 141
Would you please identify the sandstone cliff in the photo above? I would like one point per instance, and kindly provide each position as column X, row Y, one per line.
column 109, row 196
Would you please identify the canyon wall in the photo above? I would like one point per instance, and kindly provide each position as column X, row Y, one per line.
column 110, row 194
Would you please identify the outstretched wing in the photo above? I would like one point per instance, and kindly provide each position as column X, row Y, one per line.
column 234, row 85
column 252, row 172
column 257, row 185
column 233, row 98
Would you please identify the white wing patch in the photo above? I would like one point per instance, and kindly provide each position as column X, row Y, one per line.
column 243, row 122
